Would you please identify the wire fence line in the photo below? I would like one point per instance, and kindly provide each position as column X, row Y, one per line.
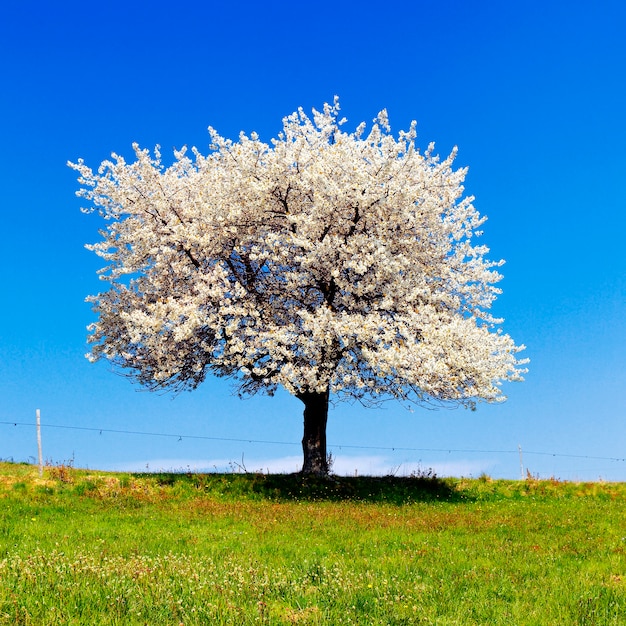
column 340, row 446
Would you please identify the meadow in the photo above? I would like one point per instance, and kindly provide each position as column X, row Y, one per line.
column 83, row 547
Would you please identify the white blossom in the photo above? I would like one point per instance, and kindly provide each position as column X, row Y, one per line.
column 324, row 260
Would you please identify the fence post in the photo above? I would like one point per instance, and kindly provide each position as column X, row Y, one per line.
column 38, row 413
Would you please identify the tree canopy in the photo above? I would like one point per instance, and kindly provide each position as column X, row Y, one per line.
column 325, row 262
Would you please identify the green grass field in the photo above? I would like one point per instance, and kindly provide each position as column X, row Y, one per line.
column 80, row 547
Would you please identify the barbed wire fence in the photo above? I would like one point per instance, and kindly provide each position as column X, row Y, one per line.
column 180, row 437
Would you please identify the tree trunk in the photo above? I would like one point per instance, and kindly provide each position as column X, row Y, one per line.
column 314, row 440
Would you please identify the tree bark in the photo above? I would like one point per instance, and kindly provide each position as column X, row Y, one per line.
column 314, row 439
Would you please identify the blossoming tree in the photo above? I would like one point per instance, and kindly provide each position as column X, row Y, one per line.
column 325, row 262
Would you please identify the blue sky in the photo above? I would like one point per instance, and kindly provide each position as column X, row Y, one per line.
column 534, row 95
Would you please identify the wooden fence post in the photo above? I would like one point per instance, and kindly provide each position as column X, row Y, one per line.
column 38, row 413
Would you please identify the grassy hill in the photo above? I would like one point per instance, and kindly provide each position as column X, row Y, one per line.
column 83, row 547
